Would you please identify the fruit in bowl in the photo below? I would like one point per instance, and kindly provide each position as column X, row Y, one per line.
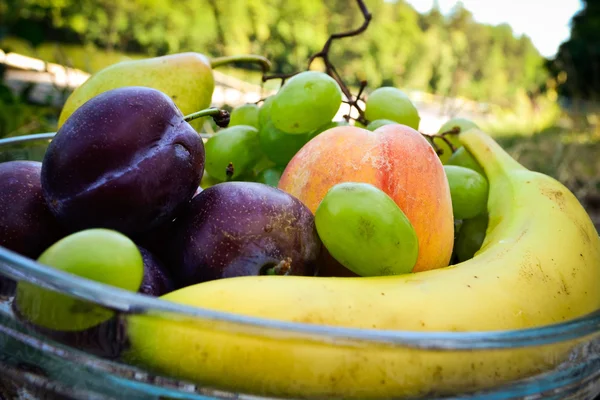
column 126, row 160
column 242, row 228
column 26, row 224
column 363, row 228
column 186, row 78
column 394, row 158
column 101, row 255
column 529, row 272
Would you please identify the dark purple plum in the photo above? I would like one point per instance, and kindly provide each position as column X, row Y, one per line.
column 242, row 228
column 156, row 240
column 157, row 279
column 27, row 226
column 125, row 160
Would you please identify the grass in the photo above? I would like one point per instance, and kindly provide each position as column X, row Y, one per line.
column 571, row 157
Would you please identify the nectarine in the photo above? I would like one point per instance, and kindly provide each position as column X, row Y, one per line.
column 396, row 159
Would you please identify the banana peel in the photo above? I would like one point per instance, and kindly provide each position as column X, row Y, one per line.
column 539, row 265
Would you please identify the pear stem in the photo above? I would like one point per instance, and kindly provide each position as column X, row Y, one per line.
column 249, row 58
column 221, row 117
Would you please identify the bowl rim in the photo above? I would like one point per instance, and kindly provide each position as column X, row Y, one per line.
column 21, row 268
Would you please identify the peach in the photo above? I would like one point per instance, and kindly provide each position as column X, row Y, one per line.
column 396, row 159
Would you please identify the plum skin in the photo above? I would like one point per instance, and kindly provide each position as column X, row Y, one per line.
column 157, row 280
column 125, row 160
column 27, row 226
column 242, row 228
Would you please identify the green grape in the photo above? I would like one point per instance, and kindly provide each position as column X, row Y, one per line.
column 469, row 191
column 263, row 163
column 270, row 176
column 457, row 225
column 279, row 146
column 248, row 176
column 393, row 104
column 379, row 123
column 246, row 114
column 366, row 231
column 305, row 102
column 208, row 181
column 237, row 145
column 464, row 125
column 470, row 237
column 463, row 158
column 326, row 127
column 264, row 112
column 98, row 254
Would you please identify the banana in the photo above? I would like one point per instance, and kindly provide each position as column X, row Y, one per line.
column 539, row 265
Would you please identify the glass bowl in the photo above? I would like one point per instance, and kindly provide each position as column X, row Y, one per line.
column 561, row 361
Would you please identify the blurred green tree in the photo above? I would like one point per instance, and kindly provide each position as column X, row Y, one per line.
column 579, row 57
column 449, row 55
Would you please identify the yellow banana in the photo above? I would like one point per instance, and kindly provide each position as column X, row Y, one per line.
column 539, row 265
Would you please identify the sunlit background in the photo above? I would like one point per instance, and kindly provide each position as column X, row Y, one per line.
column 527, row 71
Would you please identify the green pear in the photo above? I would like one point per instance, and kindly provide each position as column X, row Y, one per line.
column 185, row 77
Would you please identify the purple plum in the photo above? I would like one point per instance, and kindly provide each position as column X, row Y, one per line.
column 125, row 160
column 27, row 226
column 242, row 228
column 157, row 280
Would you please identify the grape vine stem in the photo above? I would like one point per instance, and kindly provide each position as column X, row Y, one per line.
column 442, row 136
column 353, row 101
column 330, row 69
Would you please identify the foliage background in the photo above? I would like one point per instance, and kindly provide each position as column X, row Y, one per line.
column 446, row 55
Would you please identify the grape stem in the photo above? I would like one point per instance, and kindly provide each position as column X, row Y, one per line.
column 264, row 63
column 442, row 136
column 330, row 68
column 283, row 77
column 262, row 99
column 352, row 101
column 221, row 117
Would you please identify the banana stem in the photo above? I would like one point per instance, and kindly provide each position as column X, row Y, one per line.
column 221, row 117
column 251, row 58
